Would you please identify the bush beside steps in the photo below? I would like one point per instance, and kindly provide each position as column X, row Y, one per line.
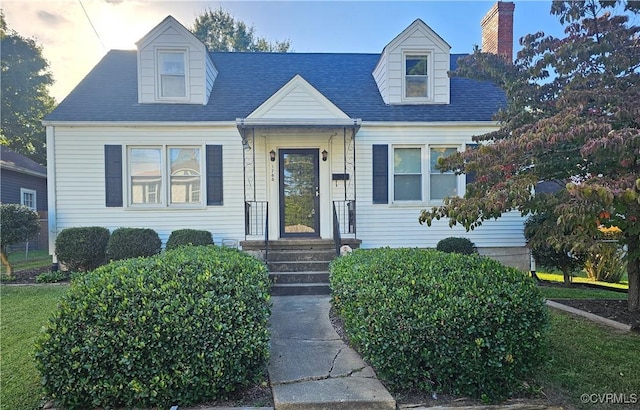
column 183, row 327
column 441, row 322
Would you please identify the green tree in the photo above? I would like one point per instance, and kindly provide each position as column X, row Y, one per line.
column 571, row 117
column 221, row 32
column 25, row 95
column 18, row 223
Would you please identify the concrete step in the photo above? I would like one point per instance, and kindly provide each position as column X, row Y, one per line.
column 298, row 266
column 299, row 289
column 290, row 255
column 299, row 277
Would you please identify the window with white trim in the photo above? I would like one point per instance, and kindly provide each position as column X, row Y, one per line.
column 416, row 177
column 441, row 184
column 28, row 198
column 416, row 76
column 172, row 78
column 165, row 175
column 407, row 174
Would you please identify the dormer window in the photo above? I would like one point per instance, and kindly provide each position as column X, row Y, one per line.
column 171, row 74
column 416, row 76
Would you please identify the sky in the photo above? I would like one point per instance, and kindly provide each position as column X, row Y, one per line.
column 76, row 34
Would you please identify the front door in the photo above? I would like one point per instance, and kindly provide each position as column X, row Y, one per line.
column 299, row 193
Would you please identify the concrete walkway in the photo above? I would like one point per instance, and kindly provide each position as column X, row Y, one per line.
column 311, row 367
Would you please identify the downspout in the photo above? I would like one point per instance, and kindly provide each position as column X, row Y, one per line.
column 355, row 187
column 51, row 195
column 344, row 162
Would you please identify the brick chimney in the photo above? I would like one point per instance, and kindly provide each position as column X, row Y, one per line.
column 497, row 30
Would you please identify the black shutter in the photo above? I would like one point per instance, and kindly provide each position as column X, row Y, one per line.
column 471, row 176
column 214, row 175
column 113, row 175
column 380, row 174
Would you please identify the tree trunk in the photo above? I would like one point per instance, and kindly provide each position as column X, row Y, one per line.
column 633, row 272
column 5, row 262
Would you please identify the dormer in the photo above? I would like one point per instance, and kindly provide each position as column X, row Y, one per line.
column 174, row 67
column 413, row 67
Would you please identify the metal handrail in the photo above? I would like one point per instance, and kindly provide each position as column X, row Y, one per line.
column 266, row 234
column 337, row 240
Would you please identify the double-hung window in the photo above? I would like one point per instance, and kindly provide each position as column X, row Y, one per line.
column 171, row 74
column 28, row 198
column 416, row 76
column 165, row 176
column 445, row 184
column 416, row 177
column 407, row 174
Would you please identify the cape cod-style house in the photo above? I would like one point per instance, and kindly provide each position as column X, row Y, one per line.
column 277, row 146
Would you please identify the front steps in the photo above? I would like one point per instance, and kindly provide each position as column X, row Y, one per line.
column 298, row 266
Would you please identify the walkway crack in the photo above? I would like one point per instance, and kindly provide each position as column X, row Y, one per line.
column 333, row 362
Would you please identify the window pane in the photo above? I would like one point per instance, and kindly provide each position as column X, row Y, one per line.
column 416, row 65
column 172, row 75
column 437, row 153
column 407, row 161
column 407, row 187
column 173, row 86
column 172, row 63
column 185, row 175
column 416, row 87
column 29, row 199
column 145, row 167
column 443, row 185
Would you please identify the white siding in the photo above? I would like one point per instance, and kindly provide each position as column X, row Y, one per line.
column 417, row 38
column 381, row 75
column 80, row 180
column 211, row 73
column 396, row 225
column 298, row 103
column 199, row 71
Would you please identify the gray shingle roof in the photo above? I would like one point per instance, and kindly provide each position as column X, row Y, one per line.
column 109, row 92
column 17, row 162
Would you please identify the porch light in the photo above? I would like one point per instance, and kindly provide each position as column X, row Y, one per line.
column 272, row 155
column 324, row 154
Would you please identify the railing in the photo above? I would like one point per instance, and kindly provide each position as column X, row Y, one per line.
column 266, row 234
column 337, row 240
column 256, row 222
column 345, row 212
column 344, row 221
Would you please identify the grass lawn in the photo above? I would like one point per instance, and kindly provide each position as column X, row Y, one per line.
column 590, row 359
column 23, row 311
column 32, row 259
column 579, row 293
column 581, row 277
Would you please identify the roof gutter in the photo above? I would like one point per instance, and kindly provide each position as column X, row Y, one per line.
column 247, row 123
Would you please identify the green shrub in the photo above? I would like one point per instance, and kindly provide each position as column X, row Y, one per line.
column 82, row 249
column 606, row 263
column 438, row 322
column 128, row 243
column 456, row 245
column 18, row 223
column 52, row 277
column 186, row 326
column 193, row 237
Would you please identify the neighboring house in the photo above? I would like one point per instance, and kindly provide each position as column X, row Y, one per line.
column 172, row 136
column 24, row 181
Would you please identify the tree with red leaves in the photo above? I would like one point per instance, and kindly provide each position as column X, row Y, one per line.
column 572, row 117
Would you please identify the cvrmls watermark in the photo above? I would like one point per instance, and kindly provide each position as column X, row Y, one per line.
column 610, row 398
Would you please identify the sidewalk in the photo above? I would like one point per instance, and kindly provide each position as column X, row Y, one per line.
column 311, row 367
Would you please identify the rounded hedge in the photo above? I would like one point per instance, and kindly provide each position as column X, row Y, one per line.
column 82, row 248
column 186, row 326
column 454, row 244
column 126, row 243
column 194, row 237
column 441, row 322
